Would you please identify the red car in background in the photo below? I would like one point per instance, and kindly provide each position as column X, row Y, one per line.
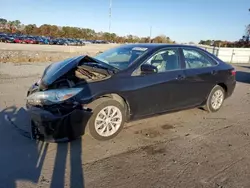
column 18, row 40
column 30, row 41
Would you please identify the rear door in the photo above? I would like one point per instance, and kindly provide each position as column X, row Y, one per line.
column 200, row 75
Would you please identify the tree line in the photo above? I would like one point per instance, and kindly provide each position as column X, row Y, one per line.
column 243, row 42
column 55, row 31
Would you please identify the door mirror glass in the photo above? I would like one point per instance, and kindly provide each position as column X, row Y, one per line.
column 148, row 69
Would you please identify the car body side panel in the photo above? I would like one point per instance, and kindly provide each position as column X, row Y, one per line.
column 145, row 95
column 154, row 93
column 198, row 83
column 157, row 93
column 226, row 77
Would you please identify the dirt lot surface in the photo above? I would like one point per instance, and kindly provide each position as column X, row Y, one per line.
column 19, row 53
column 55, row 48
column 186, row 149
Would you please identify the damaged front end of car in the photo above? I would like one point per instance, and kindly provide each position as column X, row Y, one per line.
column 56, row 115
column 55, row 102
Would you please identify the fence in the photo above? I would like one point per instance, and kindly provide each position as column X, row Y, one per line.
column 230, row 55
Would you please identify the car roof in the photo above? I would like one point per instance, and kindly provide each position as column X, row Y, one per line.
column 159, row 45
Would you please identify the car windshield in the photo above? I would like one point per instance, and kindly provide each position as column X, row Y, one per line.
column 121, row 57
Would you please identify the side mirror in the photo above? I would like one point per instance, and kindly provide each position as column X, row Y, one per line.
column 148, row 69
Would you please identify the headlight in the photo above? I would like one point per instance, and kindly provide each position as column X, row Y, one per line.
column 52, row 96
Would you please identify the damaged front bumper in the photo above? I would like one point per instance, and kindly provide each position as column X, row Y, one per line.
column 51, row 127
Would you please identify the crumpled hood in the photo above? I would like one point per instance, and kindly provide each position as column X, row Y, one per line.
column 58, row 69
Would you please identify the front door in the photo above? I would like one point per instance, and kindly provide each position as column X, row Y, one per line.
column 160, row 91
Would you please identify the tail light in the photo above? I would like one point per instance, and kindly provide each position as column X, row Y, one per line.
column 233, row 72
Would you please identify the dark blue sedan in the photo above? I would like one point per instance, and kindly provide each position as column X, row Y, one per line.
column 122, row 84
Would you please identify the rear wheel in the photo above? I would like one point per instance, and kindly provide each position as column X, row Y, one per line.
column 215, row 99
column 107, row 119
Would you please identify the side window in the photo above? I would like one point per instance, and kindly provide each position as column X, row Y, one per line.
column 195, row 59
column 165, row 60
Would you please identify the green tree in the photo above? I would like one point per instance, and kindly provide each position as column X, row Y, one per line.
column 205, row 42
column 48, row 30
column 109, row 36
column 88, row 33
column 106, row 36
column 162, row 39
column 73, row 32
column 144, row 40
column 3, row 23
column 30, row 29
column 113, row 37
column 129, row 39
column 13, row 26
column 17, row 23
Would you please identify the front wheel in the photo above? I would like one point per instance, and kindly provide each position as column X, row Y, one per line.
column 215, row 99
column 107, row 119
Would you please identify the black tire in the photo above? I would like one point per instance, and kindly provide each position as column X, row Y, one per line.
column 96, row 107
column 208, row 106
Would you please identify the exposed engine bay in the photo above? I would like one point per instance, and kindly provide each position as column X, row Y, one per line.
column 70, row 75
column 86, row 71
column 80, row 75
column 78, row 71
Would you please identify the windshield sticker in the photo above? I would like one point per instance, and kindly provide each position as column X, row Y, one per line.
column 139, row 49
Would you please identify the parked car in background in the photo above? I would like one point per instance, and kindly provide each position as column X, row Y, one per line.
column 100, row 42
column 29, row 39
column 123, row 84
column 42, row 40
column 71, row 42
column 86, row 42
column 54, row 41
column 2, row 38
column 62, row 42
column 19, row 40
column 8, row 39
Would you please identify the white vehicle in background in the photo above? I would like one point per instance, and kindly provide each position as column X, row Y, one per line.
column 86, row 42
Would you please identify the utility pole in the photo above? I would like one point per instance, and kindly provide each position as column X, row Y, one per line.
column 110, row 12
column 150, row 34
column 248, row 29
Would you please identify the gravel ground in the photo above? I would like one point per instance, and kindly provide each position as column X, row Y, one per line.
column 55, row 48
column 185, row 149
column 18, row 53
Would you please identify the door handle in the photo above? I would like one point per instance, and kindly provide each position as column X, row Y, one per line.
column 181, row 77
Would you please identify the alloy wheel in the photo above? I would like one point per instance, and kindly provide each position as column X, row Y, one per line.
column 108, row 121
